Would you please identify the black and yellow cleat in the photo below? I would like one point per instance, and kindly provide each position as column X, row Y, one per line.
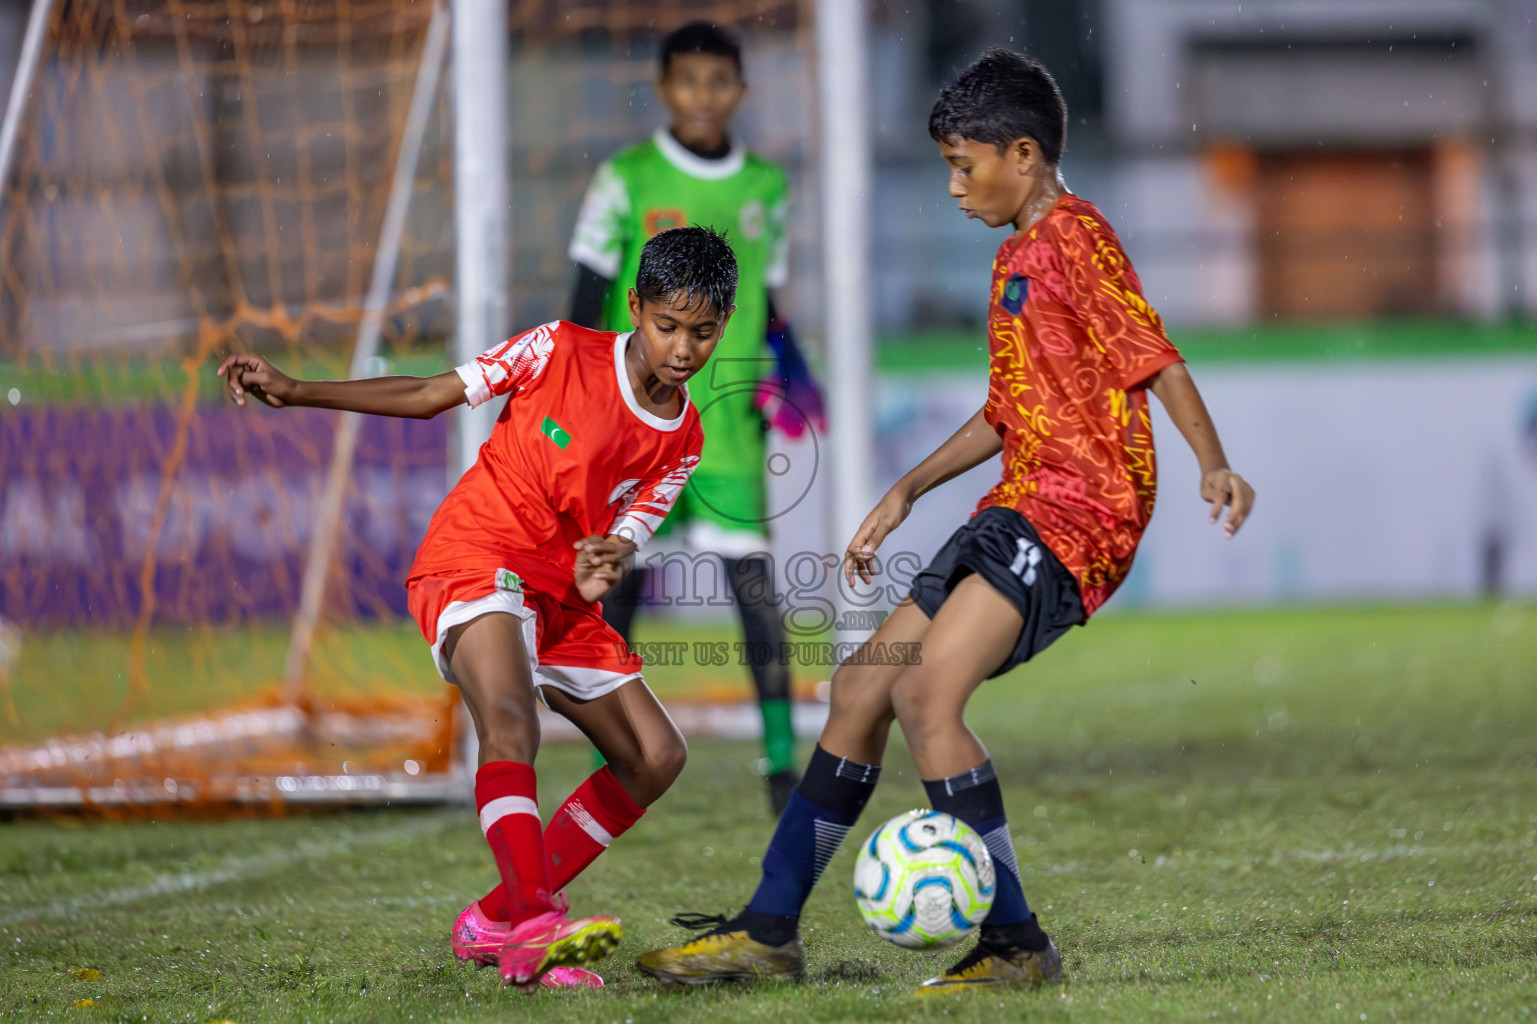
column 990, row 966
column 724, row 953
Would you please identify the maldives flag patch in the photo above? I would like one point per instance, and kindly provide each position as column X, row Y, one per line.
column 555, row 432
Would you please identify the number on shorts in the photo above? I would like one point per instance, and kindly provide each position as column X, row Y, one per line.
column 1025, row 561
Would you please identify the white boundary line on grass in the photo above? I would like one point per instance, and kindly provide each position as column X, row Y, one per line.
column 234, row 869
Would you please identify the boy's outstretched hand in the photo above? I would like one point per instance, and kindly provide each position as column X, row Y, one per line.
column 885, row 517
column 1224, row 487
column 599, row 565
column 254, row 375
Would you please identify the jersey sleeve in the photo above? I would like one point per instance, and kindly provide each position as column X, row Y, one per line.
column 511, row 366
column 600, row 237
column 778, row 273
column 648, row 504
column 1104, row 290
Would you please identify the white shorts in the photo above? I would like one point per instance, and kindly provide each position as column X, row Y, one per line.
column 585, row 636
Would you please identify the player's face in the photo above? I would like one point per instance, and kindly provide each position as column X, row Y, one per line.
column 992, row 187
column 702, row 91
column 676, row 337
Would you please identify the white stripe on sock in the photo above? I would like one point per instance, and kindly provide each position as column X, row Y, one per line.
column 496, row 810
column 829, row 835
column 588, row 823
column 1001, row 846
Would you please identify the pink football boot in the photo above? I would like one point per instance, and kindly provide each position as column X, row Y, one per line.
column 550, row 940
column 478, row 939
column 570, row 977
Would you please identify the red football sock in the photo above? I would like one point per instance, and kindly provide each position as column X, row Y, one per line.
column 591, row 818
column 586, row 823
column 505, row 794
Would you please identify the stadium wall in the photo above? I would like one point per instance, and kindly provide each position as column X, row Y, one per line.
column 1393, row 479
column 81, row 485
column 1400, row 479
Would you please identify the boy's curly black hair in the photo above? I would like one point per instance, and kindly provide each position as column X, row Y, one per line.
column 701, row 37
column 1000, row 97
column 696, row 261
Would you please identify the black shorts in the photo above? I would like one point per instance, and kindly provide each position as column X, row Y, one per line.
column 1002, row 547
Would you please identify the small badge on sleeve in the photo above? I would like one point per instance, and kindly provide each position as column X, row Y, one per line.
column 1016, row 291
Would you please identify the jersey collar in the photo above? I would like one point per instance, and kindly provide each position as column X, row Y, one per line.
column 697, row 166
column 650, row 419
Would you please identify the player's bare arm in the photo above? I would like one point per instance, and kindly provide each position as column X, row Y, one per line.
column 1219, row 484
column 411, row 397
column 968, row 447
column 600, row 563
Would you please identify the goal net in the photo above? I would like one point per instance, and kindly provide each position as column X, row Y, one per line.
column 191, row 178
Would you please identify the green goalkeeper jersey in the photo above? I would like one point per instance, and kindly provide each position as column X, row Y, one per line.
column 657, row 185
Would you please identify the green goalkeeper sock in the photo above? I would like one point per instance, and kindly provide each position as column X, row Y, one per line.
column 778, row 736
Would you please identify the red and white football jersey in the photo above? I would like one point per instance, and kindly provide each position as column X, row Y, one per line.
column 573, row 454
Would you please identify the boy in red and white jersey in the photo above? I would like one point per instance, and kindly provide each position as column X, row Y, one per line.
column 588, row 456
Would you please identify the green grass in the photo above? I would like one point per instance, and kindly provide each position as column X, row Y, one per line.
column 126, row 376
column 1302, row 815
column 932, row 351
column 76, row 681
column 114, row 378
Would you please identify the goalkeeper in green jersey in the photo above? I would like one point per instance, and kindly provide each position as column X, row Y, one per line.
column 693, row 172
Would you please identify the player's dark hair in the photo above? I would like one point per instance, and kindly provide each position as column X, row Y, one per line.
column 695, row 261
column 701, row 37
column 1000, row 97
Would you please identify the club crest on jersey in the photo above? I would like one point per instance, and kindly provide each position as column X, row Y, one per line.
column 664, row 219
column 1015, row 291
column 506, row 579
column 555, row 432
column 624, row 492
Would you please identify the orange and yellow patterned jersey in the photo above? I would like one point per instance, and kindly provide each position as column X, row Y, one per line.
column 1071, row 344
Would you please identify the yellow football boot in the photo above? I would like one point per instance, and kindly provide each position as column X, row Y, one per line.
column 725, row 953
column 995, row 966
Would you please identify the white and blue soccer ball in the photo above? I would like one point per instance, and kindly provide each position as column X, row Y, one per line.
column 924, row 879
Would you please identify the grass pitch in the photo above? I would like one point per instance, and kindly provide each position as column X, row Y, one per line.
column 1320, row 815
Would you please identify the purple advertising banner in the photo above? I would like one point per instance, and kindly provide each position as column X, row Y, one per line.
column 79, row 489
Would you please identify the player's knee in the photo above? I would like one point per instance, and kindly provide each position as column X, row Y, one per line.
column 666, row 763
column 920, row 707
column 858, row 691
column 512, row 711
column 653, row 769
column 505, row 739
column 509, row 730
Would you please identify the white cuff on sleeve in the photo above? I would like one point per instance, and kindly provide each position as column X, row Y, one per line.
column 635, row 527
column 476, row 392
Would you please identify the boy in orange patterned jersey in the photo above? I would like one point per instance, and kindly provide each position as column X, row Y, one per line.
column 1073, row 349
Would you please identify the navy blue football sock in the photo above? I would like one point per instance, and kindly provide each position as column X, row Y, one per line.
column 976, row 798
column 820, row 813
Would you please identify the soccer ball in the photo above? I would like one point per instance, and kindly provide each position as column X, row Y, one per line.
column 924, row 879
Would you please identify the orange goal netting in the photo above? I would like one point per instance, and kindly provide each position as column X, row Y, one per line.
column 195, row 177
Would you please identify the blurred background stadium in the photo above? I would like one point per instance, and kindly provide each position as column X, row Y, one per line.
column 1334, row 206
